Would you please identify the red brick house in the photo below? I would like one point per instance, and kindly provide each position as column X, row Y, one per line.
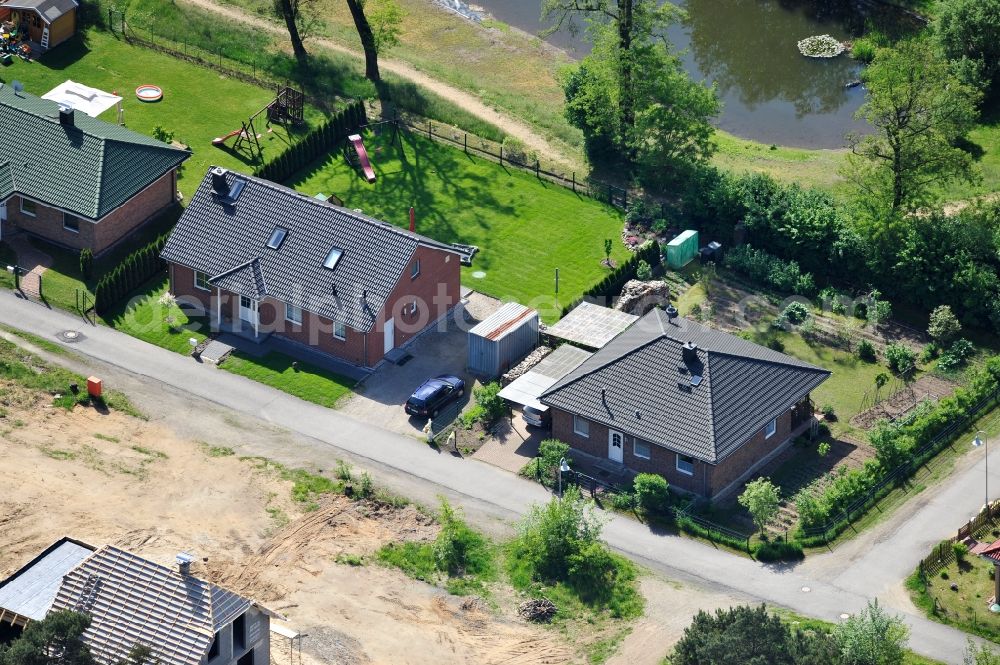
column 700, row 407
column 267, row 260
column 76, row 181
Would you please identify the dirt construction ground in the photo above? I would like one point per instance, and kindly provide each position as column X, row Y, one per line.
column 142, row 486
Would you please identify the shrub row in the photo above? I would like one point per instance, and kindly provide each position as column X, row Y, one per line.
column 613, row 282
column 316, row 143
column 137, row 268
column 901, row 448
column 777, row 273
column 688, row 525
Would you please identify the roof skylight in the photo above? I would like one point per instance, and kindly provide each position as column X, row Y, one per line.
column 332, row 258
column 277, row 238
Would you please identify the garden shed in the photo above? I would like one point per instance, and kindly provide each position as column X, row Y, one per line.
column 502, row 340
column 45, row 23
column 682, row 249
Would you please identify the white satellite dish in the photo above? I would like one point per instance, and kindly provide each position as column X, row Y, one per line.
column 17, row 85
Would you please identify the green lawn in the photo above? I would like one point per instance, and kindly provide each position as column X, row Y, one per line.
column 198, row 103
column 305, row 381
column 147, row 315
column 965, row 608
column 526, row 228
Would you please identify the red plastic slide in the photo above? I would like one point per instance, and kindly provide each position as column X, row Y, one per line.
column 366, row 166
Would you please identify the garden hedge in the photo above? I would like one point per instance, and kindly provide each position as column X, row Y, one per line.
column 134, row 270
column 320, row 141
column 918, row 438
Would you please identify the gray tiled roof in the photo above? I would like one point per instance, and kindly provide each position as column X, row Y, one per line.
column 648, row 392
column 229, row 243
column 134, row 601
column 49, row 9
column 30, row 591
column 88, row 169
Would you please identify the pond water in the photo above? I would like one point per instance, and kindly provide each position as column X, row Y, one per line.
column 770, row 92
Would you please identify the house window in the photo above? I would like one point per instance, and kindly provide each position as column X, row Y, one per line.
column 201, row 281
column 71, row 222
column 685, row 464
column 415, row 270
column 640, row 449
column 216, row 647
column 771, row 428
column 240, row 633
column 339, row 330
column 581, row 426
column 293, row 313
column 29, row 208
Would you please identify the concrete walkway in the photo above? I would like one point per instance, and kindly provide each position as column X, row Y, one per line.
column 837, row 582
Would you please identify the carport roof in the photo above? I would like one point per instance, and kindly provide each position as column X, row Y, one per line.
column 591, row 325
column 525, row 390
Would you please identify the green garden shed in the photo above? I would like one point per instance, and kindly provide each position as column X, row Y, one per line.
column 682, row 249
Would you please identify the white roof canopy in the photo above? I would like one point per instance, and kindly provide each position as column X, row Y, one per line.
column 91, row 101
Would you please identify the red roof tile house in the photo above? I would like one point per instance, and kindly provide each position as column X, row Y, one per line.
column 700, row 407
column 77, row 181
column 267, row 260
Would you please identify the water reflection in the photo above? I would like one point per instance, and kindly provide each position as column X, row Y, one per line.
column 770, row 92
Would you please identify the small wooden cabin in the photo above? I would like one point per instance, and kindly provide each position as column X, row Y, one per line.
column 45, row 22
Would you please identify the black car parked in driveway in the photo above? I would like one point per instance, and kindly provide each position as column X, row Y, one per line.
column 433, row 395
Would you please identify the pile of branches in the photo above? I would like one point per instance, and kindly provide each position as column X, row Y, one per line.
column 539, row 610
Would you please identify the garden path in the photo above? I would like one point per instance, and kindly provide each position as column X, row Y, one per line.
column 33, row 260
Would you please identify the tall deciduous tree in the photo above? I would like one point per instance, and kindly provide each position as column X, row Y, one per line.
column 968, row 31
column 919, row 111
column 386, row 19
column 762, row 499
column 631, row 96
column 294, row 17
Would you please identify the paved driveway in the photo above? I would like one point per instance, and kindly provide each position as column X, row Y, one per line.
column 379, row 399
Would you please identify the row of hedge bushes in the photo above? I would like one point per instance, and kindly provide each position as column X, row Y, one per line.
column 767, row 269
column 901, row 448
column 136, row 269
column 612, row 284
column 315, row 144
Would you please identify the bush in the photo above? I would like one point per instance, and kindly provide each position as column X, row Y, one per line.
column 515, row 151
column 960, row 549
column 900, row 358
column 863, row 50
column 488, row 399
column 623, row 501
column 956, row 356
column 86, row 263
column 543, row 467
column 828, row 412
column 652, row 492
column 944, row 327
column 866, row 351
column 796, row 312
column 559, row 542
column 459, row 550
column 779, row 551
column 762, row 267
column 643, row 271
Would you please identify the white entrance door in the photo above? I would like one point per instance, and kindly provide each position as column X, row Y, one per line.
column 248, row 310
column 616, row 446
column 389, row 336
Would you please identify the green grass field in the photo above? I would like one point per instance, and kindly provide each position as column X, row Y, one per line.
column 304, row 381
column 198, row 104
column 526, row 228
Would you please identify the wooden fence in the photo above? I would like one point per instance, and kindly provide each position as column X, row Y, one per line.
column 943, row 553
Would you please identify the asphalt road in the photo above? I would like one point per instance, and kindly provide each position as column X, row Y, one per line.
column 838, row 582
